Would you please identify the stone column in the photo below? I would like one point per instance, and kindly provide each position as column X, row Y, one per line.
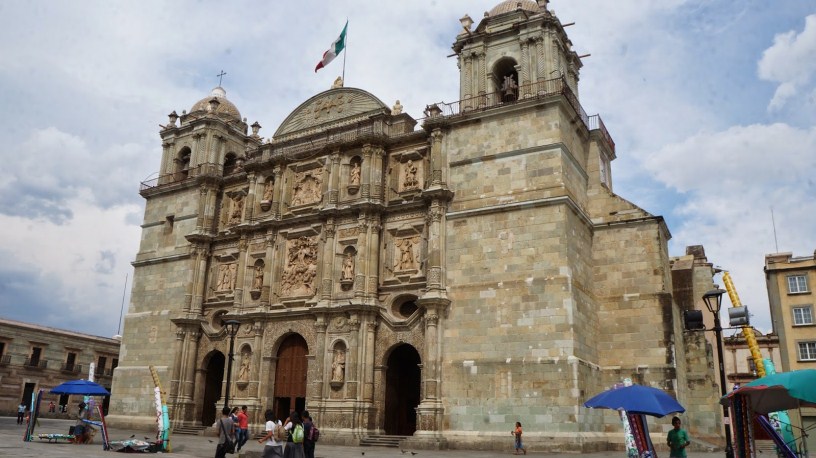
column 362, row 260
column 377, row 167
column 240, row 280
column 352, row 371
column 334, row 179
column 168, row 163
column 436, row 158
column 320, row 360
column 257, row 352
column 525, row 69
column 197, row 155
column 277, row 192
column 435, row 239
column 372, row 254
column 199, row 281
column 329, row 256
column 269, row 268
column 368, row 376
column 249, row 204
column 365, row 174
column 481, row 74
column 467, row 81
column 541, row 60
column 174, row 394
column 276, row 259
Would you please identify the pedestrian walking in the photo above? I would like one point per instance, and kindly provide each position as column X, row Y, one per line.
column 310, row 436
column 273, row 447
column 243, row 428
column 21, row 413
column 519, row 445
column 226, row 434
column 678, row 439
column 294, row 443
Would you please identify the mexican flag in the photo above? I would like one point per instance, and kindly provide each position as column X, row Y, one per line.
column 335, row 48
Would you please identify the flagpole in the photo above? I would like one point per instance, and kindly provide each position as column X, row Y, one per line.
column 345, row 51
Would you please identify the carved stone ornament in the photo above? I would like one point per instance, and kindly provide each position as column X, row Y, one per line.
column 338, row 372
column 237, row 209
column 307, row 188
column 226, row 277
column 410, row 176
column 300, row 270
column 257, row 282
column 244, row 369
column 406, row 253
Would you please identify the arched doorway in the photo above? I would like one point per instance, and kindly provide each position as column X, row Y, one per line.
column 402, row 382
column 290, row 376
column 213, row 379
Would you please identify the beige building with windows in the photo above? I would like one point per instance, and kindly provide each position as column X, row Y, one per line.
column 739, row 363
column 437, row 278
column 34, row 357
column 790, row 281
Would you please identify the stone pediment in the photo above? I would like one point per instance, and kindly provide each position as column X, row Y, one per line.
column 328, row 107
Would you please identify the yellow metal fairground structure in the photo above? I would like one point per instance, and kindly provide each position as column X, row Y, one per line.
column 747, row 331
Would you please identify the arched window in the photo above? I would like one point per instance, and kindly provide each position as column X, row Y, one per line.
column 229, row 163
column 182, row 164
column 505, row 79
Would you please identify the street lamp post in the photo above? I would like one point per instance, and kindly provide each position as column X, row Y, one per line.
column 232, row 328
column 713, row 301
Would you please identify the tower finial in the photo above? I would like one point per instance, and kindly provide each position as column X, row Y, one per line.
column 220, row 77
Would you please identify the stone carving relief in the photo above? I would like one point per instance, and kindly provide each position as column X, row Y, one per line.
column 307, row 187
column 300, row 270
column 268, row 194
column 406, row 253
column 237, row 208
column 227, row 274
column 410, row 176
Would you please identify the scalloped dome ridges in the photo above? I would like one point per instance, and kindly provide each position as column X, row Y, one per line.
column 225, row 107
column 508, row 6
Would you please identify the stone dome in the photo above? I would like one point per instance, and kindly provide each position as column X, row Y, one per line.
column 225, row 107
column 508, row 6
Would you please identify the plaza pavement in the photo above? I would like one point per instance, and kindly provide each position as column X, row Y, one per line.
column 11, row 444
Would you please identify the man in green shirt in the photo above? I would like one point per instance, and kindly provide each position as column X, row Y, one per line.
column 677, row 439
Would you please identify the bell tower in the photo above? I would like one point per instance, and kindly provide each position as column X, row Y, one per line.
column 513, row 52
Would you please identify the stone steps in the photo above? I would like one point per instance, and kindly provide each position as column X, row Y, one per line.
column 382, row 440
column 189, row 430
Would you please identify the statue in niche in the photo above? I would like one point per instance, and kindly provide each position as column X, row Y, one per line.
column 269, row 187
column 257, row 280
column 237, row 209
column 301, row 268
column 509, row 88
column 339, row 366
column 407, row 260
column 410, row 180
column 223, row 282
column 348, row 268
column 307, row 188
column 354, row 176
column 243, row 371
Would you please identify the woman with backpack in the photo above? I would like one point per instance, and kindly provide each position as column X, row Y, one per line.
column 294, row 443
column 274, row 444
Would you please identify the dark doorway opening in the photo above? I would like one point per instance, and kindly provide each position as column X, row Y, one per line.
column 402, row 383
column 290, row 377
column 213, row 380
column 27, row 392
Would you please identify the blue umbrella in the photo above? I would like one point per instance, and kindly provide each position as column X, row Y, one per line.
column 636, row 399
column 83, row 387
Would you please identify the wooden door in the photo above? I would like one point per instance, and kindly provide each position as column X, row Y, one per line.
column 290, row 376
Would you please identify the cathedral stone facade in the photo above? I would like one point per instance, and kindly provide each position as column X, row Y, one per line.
column 438, row 278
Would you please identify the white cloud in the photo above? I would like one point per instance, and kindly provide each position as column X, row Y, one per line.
column 731, row 180
column 791, row 62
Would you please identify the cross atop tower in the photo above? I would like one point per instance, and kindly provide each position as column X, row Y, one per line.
column 220, row 76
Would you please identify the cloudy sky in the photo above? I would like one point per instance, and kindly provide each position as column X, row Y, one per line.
column 711, row 104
